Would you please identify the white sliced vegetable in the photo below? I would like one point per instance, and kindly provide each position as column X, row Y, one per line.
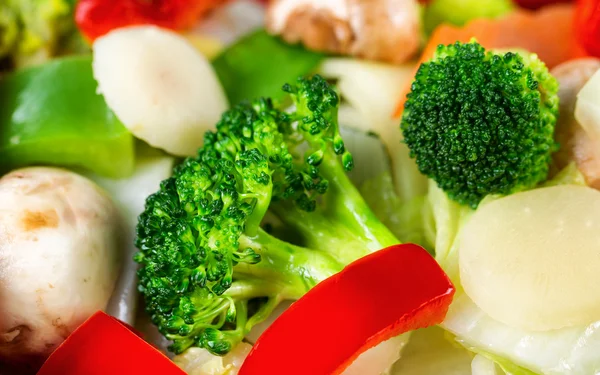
column 233, row 20
column 60, row 253
column 196, row 361
column 483, row 366
column 568, row 351
column 159, row 85
column 587, row 108
column 130, row 195
column 532, row 260
column 429, row 352
column 372, row 91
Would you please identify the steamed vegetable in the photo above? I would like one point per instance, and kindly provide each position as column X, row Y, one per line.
column 255, row 66
column 459, row 12
column 570, row 351
column 373, row 30
column 358, row 300
column 96, row 18
column 196, row 361
column 129, row 195
column 587, row 25
column 549, row 33
column 577, row 144
column 521, row 279
column 48, row 119
column 32, row 31
column 60, row 253
column 587, row 107
column 159, row 85
column 103, row 345
column 209, row 272
column 370, row 91
column 480, row 122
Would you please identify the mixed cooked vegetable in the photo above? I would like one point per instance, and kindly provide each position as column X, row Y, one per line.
column 300, row 187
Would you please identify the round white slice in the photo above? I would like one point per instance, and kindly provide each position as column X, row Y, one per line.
column 163, row 90
column 532, row 260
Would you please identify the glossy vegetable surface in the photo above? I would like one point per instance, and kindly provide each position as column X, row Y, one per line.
column 103, row 345
column 587, row 21
column 52, row 115
column 392, row 291
column 97, row 17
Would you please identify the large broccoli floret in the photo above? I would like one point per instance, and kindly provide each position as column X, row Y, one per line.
column 481, row 122
column 209, row 271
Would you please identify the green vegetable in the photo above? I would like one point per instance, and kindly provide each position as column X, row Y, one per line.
column 51, row 114
column 256, row 65
column 32, row 31
column 209, row 272
column 459, row 12
column 479, row 122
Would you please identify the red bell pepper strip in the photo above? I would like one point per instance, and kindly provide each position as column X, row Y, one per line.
column 587, row 25
column 95, row 18
column 387, row 293
column 103, row 345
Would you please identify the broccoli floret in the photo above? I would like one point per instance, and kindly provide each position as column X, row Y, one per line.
column 480, row 122
column 209, row 271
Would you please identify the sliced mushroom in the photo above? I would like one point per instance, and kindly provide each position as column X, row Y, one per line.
column 382, row 30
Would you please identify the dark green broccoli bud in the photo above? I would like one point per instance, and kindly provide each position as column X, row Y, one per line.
column 209, row 272
column 481, row 122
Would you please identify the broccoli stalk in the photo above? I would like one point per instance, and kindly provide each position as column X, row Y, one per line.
column 480, row 122
column 209, row 272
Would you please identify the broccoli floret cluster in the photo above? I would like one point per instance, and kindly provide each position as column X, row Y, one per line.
column 480, row 122
column 209, row 271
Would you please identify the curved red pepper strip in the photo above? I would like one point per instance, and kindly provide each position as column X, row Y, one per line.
column 395, row 290
column 105, row 346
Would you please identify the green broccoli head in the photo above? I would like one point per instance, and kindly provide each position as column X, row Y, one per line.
column 480, row 122
column 209, row 272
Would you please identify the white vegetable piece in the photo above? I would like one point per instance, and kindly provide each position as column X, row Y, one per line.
column 130, row 195
column 587, row 108
column 531, row 260
column 231, row 21
column 483, row 366
column 196, row 361
column 163, row 90
column 60, row 252
column 429, row 352
column 372, row 91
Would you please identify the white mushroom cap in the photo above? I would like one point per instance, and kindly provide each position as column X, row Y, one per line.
column 59, row 257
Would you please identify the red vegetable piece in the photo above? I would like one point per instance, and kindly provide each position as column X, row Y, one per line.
column 395, row 290
column 587, row 25
column 536, row 4
column 103, row 345
column 98, row 17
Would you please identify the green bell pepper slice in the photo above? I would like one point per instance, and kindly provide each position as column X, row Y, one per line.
column 52, row 115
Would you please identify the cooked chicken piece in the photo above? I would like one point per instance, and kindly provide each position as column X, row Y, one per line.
column 576, row 144
column 382, row 30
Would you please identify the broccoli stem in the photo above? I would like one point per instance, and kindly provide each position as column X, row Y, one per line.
column 292, row 269
column 345, row 227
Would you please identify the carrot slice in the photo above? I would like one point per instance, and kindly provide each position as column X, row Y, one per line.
column 548, row 32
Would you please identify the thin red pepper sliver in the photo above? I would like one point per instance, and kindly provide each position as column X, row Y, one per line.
column 392, row 291
column 587, row 25
column 103, row 345
column 536, row 4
